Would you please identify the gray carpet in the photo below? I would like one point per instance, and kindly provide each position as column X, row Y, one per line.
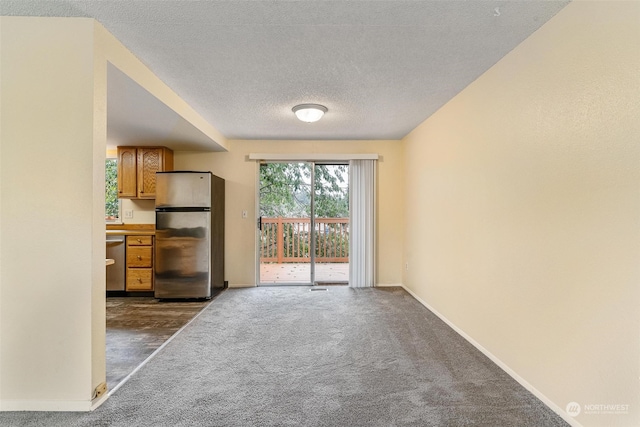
column 287, row 356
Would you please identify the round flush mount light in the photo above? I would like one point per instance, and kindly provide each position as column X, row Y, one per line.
column 309, row 112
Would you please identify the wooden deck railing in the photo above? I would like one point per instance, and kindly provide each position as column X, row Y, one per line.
column 288, row 240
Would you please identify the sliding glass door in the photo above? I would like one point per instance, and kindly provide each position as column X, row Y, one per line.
column 331, row 224
column 303, row 230
column 284, row 225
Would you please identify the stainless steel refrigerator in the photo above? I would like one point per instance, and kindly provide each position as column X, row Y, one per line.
column 189, row 257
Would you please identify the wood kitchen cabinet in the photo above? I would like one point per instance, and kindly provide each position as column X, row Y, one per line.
column 137, row 167
column 139, row 263
column 127, row 172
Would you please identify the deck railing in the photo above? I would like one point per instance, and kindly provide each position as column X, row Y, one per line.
column 288, row 240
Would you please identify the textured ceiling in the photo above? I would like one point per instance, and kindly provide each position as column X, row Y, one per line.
column 381, row 67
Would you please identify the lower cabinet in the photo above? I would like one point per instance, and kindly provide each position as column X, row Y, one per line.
column 139, row 263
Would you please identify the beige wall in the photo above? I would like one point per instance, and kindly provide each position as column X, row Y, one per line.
column 240, row 176
column 523, row 210
column 144, row 211
column 52, row 276
column 98, row 288
column 48, row 220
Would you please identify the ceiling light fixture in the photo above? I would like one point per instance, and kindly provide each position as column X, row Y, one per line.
column 309, row 112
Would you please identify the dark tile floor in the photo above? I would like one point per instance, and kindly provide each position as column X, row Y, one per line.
column 137, row 326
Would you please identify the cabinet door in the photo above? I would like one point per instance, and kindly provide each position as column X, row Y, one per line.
column 127, row 170
column 150, row 161
column 139, row 256
column 139, row 241
column 139, row 279
column 139, row 263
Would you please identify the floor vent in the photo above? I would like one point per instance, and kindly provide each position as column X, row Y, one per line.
column 318, row 289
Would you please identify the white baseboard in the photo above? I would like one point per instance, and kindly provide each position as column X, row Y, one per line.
column 555, row 408
column 95, row 404
column 46, row 405
column 389, row 285
column 52, row 405
column 240, row 285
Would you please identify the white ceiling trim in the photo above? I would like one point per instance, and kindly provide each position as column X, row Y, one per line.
column 311, row 157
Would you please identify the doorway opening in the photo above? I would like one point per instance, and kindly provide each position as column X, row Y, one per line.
column 303, row 223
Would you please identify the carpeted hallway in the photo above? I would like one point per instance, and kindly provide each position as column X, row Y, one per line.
column 287, row 356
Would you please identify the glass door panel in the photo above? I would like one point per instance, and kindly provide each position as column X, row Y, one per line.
column 331, row 221
column 284, row 229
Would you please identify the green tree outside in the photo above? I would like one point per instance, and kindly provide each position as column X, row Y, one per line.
column 111, row 205
column 285, row 190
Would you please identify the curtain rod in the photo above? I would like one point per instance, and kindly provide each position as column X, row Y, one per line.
column 311, row 157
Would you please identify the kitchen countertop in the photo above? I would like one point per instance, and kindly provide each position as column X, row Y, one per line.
column 131, row 232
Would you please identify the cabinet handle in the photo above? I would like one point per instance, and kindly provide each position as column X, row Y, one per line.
column 139, row 257
column 139, row 280
column 139, row 240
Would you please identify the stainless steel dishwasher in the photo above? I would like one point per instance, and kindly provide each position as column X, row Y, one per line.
column 116, row 272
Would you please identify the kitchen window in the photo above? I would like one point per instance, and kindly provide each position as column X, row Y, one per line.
column 112, row 204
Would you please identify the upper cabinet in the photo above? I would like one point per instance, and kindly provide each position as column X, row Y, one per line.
column 150, row 161
column 137, row 167
column 127, row 172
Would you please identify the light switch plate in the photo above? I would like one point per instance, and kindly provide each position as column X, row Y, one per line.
column 128, row 213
